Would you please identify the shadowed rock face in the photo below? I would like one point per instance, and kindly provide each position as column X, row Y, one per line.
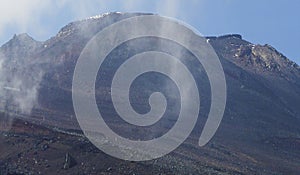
column 260, row 128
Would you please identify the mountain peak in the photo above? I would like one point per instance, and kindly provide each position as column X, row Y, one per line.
column 94, row 24
column 77, row 25
column 20, row 45
column 23, row 37
column 21, row 40
column 103, row 15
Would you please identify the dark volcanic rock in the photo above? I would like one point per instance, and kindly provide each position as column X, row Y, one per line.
column 259, row 133
column 69, row 161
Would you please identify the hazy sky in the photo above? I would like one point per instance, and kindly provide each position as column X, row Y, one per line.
column 276, row 22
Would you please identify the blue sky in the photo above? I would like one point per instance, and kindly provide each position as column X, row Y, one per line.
column 274, row 22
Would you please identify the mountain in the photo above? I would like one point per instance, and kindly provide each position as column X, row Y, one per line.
column 259, row 133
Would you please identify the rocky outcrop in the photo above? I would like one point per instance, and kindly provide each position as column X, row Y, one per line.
column 238, row 36
column 69, row 161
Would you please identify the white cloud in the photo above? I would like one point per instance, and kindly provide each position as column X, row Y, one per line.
column 168, row 7
column 20, row 13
